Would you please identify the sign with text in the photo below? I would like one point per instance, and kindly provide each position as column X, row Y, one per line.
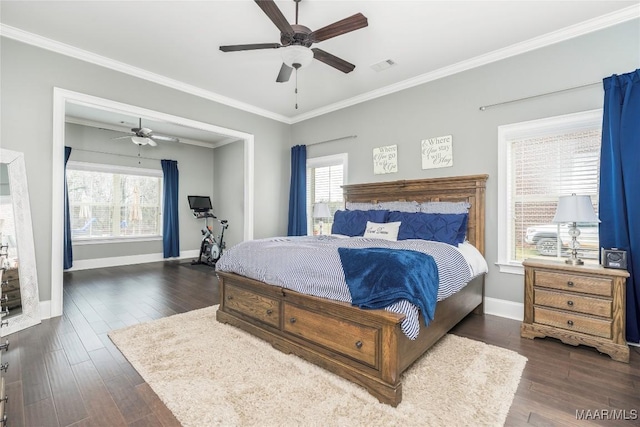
column 437, row 152
column 385, row 159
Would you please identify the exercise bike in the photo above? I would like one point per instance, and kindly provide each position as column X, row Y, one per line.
column 211, row 246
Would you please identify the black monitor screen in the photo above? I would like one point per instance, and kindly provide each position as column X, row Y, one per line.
column 199, row 203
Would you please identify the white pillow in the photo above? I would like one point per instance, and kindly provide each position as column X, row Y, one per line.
column 385, row 231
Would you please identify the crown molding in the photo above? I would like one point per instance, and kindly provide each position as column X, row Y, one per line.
column 586, row 27
column 589, row 26
column 103, row 61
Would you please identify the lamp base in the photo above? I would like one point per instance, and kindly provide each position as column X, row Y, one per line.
column 574, row 261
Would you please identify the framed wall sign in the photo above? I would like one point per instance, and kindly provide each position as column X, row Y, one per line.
column 437, row 152
column 385, row 159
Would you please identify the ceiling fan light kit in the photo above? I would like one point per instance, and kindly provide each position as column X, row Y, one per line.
column 297, row 55
column 142, row 141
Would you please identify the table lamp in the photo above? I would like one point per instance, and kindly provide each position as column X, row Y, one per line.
column 573, row 209
column 320, row 211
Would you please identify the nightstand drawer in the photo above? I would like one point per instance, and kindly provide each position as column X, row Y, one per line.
column 574, row 283
column 573, row 302
column 572, row 322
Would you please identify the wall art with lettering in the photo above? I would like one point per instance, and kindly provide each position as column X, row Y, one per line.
column 385, row 159
column 437, row 152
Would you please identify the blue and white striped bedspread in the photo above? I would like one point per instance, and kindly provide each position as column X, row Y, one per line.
column 311, row 265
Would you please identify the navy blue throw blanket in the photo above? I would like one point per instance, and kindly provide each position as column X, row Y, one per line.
column 378, row 277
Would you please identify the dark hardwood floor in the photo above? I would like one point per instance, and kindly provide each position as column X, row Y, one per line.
column 66, row 371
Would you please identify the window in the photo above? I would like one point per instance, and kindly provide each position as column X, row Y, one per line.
column 110, row 202
column 325, row 177
column 539, row 161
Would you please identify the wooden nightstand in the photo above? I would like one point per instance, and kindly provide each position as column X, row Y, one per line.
column 576, row 304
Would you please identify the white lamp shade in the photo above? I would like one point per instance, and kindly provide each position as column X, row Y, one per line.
column 575, row 209
column 297, row 55
column 321, row 210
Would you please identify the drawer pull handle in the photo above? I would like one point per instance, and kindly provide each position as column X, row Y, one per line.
column 229, row 298
column 4, row 366
column 359, row 344
column 292, row 320
column 570, row 284
column 570, row 322
column 4, row 346
column 570, row 303
column 269, row 312
column 4, row 323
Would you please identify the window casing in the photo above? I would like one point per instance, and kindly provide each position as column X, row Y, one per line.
column 325, row 177
column 539, row 161
column 113, row 203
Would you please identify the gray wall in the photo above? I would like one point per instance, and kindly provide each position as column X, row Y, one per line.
column 228, row 190
column 450, row 106
column 29, row 75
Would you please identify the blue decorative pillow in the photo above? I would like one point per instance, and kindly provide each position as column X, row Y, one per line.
column 354, row 223
column 445, row 228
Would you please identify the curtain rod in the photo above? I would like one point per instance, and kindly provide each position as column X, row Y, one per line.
column 114, row 154
column 484, row 107
column 334, row 139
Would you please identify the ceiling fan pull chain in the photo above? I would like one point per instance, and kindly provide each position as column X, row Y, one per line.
column 296, row 92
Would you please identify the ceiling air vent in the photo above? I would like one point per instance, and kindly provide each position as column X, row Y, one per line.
column 383, row 65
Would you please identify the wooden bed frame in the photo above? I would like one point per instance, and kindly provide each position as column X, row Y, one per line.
column 363, row 346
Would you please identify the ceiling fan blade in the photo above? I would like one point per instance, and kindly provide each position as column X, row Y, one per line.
column 271, row 10
column 151, row 142
column 123, row 137
column 163, row 138
column 284, row 74
column 255, row 46
column 346, row 25
column 332, row 60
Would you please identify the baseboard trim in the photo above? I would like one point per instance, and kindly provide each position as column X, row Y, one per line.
column 87, row 264
column 504, row 308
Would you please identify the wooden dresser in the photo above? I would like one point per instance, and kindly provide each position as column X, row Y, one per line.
column 6, row 278
column 576, row 304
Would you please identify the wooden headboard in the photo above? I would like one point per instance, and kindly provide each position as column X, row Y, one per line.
column 452, row 189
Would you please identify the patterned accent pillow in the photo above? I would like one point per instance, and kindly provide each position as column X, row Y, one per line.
column 445, row 228
column 384, row 231
column 354, row 223
column 400, row 206
column 359, row 206
column 445, row 207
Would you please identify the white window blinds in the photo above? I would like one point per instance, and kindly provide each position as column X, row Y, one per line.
column 547, row 159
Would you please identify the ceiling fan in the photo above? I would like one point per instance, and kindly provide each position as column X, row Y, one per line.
column 297, row 39
column 145, row 136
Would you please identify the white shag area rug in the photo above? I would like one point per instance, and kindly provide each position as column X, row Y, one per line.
column 210, row 374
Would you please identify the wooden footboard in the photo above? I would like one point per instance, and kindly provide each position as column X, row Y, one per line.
column 363, row 346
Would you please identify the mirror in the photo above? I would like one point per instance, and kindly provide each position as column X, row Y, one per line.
column 19, row 265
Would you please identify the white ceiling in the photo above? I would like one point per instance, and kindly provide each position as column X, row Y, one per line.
column 176, row 43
